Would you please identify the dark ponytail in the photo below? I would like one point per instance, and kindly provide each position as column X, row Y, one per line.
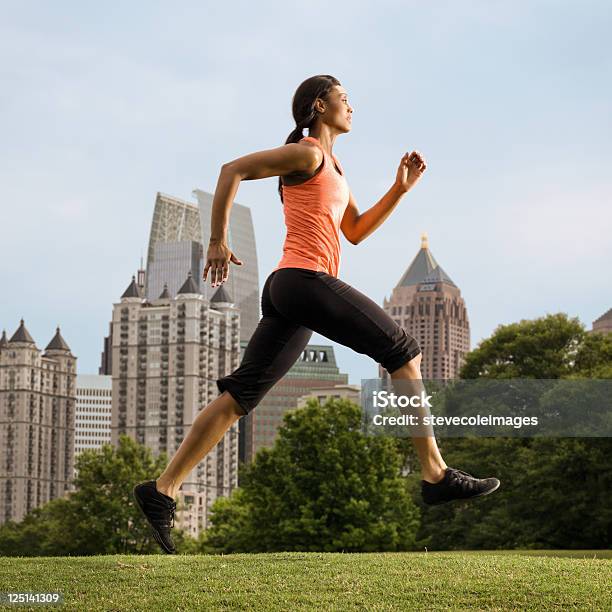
column 303, row 109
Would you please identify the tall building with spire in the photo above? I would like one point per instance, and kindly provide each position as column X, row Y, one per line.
column 603, row 324
column 429, row 306
column 167, row 354
column 37, row 419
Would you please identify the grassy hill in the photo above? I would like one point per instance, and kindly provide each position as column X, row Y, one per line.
column 497, row 580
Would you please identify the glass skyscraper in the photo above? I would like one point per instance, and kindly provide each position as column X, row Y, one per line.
column 178, row 242
column 243, row 281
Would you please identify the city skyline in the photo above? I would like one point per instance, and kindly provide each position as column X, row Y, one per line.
column 589, row 325
column 514, row 200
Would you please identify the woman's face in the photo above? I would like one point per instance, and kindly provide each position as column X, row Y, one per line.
column 338, row 112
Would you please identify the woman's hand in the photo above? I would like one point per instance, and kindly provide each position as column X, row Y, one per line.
column 410, row 170
column 217, row 261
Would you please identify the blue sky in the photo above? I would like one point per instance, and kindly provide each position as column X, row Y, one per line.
column 102, row 105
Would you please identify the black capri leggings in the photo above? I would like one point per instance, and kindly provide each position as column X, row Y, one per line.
column 295, row 302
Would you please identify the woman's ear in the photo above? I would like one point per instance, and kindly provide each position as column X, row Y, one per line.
column 319, row 105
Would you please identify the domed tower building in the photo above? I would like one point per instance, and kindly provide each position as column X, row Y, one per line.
column 429, row 306
column 37, row 420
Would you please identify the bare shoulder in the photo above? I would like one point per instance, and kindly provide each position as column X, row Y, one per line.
column 307, row 155
column 280, row 161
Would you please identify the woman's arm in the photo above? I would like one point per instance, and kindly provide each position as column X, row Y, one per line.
column 283, row 160
column 263, row 164
column 356, row 227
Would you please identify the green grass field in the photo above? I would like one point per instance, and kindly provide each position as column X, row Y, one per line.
column 497, row 580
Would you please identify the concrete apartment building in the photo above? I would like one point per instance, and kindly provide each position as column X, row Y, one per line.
column 37, row 413
column 322, row 394
column 166, row 356
column 92, row 426
column 178, row 241
column 429, row 306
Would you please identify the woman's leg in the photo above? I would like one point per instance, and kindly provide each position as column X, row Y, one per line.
column 432, row 464
column 209, row 427
column 341, row 313
column 273, row 348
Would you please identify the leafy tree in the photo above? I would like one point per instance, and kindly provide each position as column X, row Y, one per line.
column 324, row 486
column 541, row 348
column 566, row 494
column 555, row 492
column 594, row 356
column 232, row 530
column 477, row 523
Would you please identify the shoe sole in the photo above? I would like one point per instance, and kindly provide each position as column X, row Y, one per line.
column 455, row 499
column 156, row 535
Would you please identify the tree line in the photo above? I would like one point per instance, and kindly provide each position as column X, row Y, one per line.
column 326, row 485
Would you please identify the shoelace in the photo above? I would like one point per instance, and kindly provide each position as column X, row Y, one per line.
column 158, row 511
column 462, row 478
column 172, row 509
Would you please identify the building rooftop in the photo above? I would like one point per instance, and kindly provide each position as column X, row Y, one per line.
column 22, row 334
column 438, row 275
column 221, row 295
column 420, row 267
column 57, row 342
column 424, row 268
column 133, row 289
column 606, row 316
column 189, row 285
column 165, row 294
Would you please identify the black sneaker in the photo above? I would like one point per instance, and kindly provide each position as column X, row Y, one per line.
column 158, row 508
column 456, row 485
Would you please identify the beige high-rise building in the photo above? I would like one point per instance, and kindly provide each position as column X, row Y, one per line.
column 37, row 411
column 603, row 324
column 92, row 427
column 429, row 306
column 166, row 357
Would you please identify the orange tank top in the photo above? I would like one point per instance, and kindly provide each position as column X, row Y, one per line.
column 313, row 213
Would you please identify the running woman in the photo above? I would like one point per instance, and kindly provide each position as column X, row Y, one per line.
column 304, row 294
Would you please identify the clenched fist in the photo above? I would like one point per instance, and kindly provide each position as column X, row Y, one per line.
column 410, row 170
